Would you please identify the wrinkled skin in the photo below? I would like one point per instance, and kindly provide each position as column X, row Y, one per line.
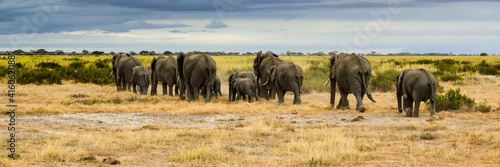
column 164, row 70
column 352, row 73
column 244, row 74
column 123, row 70
column 245, row 88
column 196, row 71
column 286, row 77
column 413, row 87
column 261, row 65
column 140, row 77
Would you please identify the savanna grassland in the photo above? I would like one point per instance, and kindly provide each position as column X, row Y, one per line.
column 77, row 121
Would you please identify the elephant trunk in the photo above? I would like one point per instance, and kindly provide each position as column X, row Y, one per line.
column 332, row 91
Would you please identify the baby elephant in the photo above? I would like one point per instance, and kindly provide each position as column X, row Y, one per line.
column 140, row 77
column 415, row 86
column 245, row 87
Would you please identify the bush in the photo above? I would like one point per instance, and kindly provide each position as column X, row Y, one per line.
column 453, row 100
column 483, row 107
column 39, row 76
column 77, row 65
column 102, row 63
column 451, row 77
column 383, row 81
column 315, row 77
column 486, row 69
column 49, row 65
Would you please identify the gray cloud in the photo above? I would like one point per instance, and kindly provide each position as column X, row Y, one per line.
column 216, row 24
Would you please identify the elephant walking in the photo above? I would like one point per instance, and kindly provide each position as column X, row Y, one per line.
column 140, row 77
column 122, row 70
column 262, row 64
column 245, row 87
column 245, row 74
column 415, row 86
column 353, row 73
column 286, row 77
column 164, row 69
column 196, row 71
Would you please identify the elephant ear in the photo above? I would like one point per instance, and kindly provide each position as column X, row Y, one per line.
column 332, row 60
column 233, row 84
column 332, row 73
column 272, row 70
column 399, row 82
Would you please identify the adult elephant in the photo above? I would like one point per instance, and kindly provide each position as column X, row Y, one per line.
column 122, row 70
column 286, row 77
column 262, row 64
column 415, row 86
column 353, row 73
column 140, row 77
column 196, row 71
column 244, row 74
column 164, row 69
column 245, row 87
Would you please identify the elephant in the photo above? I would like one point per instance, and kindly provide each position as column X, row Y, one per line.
column 245, row 87
column 122, row 70
column 164, row 69
column 197, row 71
column 140, row 77
column 216, row 89
column 414, row 86
column 243, row 74
column 353, row 73
column 286, row 77
column 261, row 65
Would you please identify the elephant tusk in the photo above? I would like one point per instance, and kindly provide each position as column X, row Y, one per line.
column 327, row 82
column 265, row 83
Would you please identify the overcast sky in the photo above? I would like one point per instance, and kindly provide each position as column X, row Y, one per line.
column 384, row 26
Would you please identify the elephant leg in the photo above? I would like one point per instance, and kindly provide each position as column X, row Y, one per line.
column 134, row 87
column 416, row 108
column 164, row 88
column 154, row 85
column 272, row 93
column 433, row 108
column 170, row 89
column 296, row 97
column 281, row 95
column 343, row 103
column 176, row 89
column 189, row 92
column 407, row 105
column 359, row 102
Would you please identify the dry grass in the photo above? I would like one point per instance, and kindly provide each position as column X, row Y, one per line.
column 383, row 138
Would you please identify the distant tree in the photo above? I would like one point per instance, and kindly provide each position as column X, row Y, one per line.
column 112, row 53
column 483, row 54
column 85, row 52
column 97, row 52
column 144, row 52
column 152, row 53
column 132, row 53
column 59, row 52
column 18, row 52
column 41, row 52
column 168, row 53
column 73, row 53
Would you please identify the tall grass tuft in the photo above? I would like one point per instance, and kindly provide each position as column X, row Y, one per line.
column 383, row 81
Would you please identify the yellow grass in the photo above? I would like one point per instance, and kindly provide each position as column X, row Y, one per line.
column 261, row 134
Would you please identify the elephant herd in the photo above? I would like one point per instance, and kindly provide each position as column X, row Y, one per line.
column 195, row 73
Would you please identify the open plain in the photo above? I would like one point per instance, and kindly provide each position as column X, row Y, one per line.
column 77, row 124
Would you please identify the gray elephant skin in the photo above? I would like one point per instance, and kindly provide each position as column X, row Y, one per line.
column 352, row 73
column 286, row 77
column 244, row 74
column 197, row 71
column 216, row 89
column 245, row 88
column 164, row 70
column 122, row 70
column 413, row 87
column 262, row 64
column 140, row 77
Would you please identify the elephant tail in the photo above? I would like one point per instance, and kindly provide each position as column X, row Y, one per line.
column 153, row 67
column 366, row 89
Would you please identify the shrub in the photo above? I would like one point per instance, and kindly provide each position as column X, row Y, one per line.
column 453, row 100
column 383, row 81
column 49, row 65
column 39, row 76
column 497, row 66
column 315, row 77
column 102, row 63
column 451, row 77
column 486, row 69
column 483, row 107
column 77, row 65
